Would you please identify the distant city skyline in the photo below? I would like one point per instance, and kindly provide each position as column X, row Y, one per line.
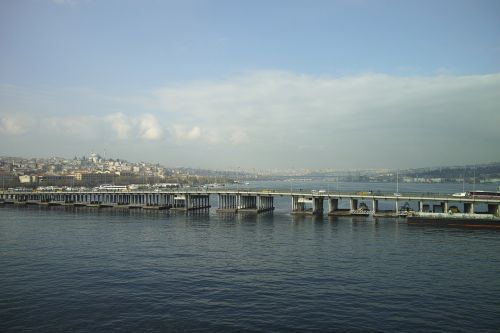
column 257, row 84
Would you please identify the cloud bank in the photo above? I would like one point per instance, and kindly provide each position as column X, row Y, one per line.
column 282, row 119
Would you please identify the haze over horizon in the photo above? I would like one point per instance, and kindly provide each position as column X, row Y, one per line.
column 256, row 84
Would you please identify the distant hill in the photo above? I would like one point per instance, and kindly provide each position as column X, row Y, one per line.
column 480, row 172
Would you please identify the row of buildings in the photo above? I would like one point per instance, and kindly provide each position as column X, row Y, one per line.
column 85, row 171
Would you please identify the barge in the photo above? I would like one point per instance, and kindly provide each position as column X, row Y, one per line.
column 454, row 220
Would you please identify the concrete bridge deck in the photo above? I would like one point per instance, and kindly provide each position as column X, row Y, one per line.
column 230, row 200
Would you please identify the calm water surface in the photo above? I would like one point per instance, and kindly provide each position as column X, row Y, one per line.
column 90, row 270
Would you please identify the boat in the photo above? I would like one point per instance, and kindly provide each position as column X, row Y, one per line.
column 360, row 212
column 484, row 194
column 405, row 210
column 451, row 219
column 363, row 210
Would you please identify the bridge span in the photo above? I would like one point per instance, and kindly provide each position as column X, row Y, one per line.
column 360, row 203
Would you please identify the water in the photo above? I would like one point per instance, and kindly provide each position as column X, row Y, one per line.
column 90, row 270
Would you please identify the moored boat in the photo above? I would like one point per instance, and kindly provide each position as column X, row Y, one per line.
column 454, row 220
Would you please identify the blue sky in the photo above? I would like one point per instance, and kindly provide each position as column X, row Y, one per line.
column 264, row 84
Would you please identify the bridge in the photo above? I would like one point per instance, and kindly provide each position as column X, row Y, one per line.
column 256, row 201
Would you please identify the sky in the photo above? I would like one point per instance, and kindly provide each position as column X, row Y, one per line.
column 271, row 84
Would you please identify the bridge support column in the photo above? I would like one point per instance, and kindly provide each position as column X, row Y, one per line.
column 180, row 202
column 298, row 206
column 227, row 203
column 254, row 203
column 494, row 209
column 317, row 206
column 469, row 207
column 437, row 208
column 246, row 202
column 333, row 206
column 264, row 203
column 198, row 201
column 375, row 206
column 353, row 204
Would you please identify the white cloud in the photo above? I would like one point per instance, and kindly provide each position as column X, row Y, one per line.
column 181, row 133
column 379, row 116
column 12, row 125
column 121, row 124
column 149, row 128
column 145, row 126
column 277, row 119
column 269, row 100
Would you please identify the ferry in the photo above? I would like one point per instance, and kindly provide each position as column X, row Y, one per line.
column 484, row 194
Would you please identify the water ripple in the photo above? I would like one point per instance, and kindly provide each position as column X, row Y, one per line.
column 82, row 271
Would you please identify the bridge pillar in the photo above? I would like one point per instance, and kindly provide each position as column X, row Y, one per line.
column 188, row 201
column 265, row 203
column 317, row 206
column 297, row 205
column 374, row 205
column 494, row 209
column 227, row 203
column 353, row 204
column 180, row 201
column 437, row 208
column 333, row 205
column 247, row 202
column 469, row 207
column 197, row 201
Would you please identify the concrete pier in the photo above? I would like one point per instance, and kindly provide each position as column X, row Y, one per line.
column 307, row 205
column 92, row 199
column 243, row 202
column 228, row 203
column 265, row 203
column 334, row 210
column 191, row 201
